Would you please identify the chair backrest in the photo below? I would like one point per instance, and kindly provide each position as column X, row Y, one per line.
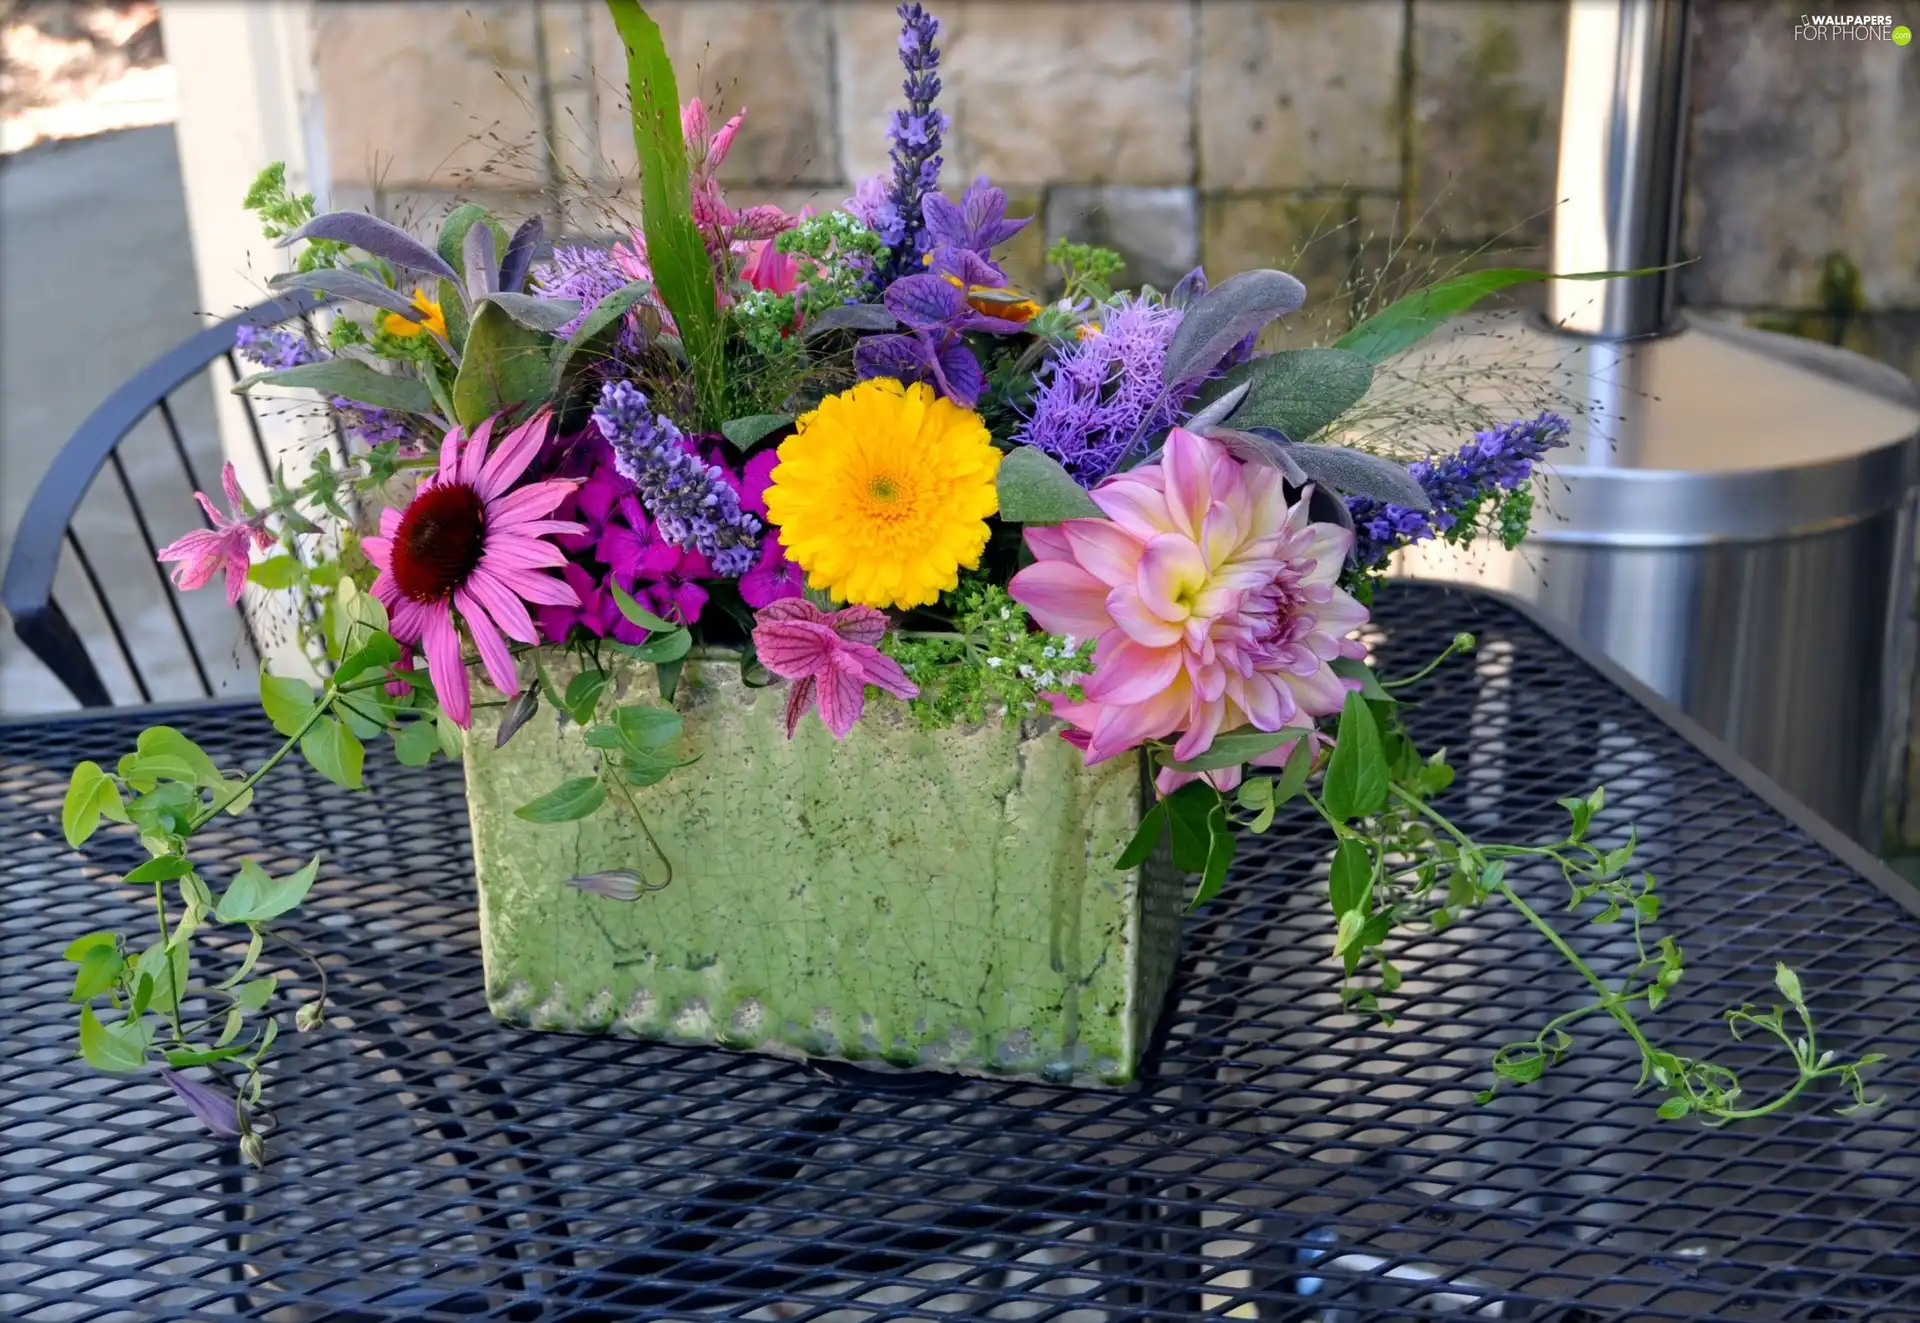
column 47, row 530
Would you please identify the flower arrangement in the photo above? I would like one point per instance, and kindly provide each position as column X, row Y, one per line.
column 847, row 452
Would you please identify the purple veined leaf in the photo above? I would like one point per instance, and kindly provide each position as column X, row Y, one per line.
column 926, row 303
column 347, row 285
column 476, row 254
column 1224, row 316
column 370, row 234
column 960, row 373
column 967, row 266
column 519, row 255
column 904, row 356
column 217, row 1110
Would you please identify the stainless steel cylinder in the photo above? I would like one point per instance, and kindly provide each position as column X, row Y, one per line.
column 1739, row 536
column 1622, row 136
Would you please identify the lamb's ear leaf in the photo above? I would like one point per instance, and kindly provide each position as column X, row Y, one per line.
column 1034, row 489
column 849, row 317
column 350, row 379
column 536, row 314
column 504, row 367
column 370, row 234
column 1225, row 315
column 591, row 344
column 1295, row 392
column 452, row 239
column 1356, row 473
column 477, row 261
column 343, row 284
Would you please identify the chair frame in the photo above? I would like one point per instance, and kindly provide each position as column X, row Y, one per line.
column 46, row 528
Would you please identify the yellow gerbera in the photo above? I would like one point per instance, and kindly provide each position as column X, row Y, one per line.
column 881, row 494
column 435, row 320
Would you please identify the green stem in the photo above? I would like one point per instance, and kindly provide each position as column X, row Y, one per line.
column 313, row 717
column 641, row 818
column 1428, row 669
column 160, row 916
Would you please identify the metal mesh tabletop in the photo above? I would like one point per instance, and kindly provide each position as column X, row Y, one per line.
column 1280, row 1159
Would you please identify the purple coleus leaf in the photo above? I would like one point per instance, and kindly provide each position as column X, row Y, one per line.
column 926, row 303
column 370, row 234
column 216, row 1109
column 902, row 356
column 966, row 266
column 960, row 377
column 977, row 222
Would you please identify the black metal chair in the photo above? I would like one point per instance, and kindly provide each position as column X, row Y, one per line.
column 47, row 531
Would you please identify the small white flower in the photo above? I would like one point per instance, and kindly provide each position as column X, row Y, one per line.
column 1049, row 651
column 1070, row 643
column 994, row 662
column 1047, row 679
column 1026, row 671
column 1006, row 613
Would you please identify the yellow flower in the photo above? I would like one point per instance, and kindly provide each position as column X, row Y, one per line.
column 881, row 494
column 394, row 324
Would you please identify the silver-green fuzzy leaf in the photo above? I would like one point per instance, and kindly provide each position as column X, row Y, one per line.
column 1227, row 314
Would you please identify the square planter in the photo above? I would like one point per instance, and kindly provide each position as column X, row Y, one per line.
column 935, row 899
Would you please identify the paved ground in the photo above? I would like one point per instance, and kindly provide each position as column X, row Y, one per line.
column 97, row 279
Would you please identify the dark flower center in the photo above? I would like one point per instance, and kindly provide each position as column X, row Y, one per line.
column 439, row 542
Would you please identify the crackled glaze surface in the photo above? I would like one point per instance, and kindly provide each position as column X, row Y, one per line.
column 939, row 899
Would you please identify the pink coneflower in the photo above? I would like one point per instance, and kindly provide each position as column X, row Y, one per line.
column 203, row 553
column 469, row 544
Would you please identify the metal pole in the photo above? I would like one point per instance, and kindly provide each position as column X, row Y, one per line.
column 1622, row 126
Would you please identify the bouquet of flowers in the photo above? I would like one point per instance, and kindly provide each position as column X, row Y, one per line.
column 847, row 450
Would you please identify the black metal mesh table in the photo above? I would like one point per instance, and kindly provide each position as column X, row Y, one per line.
column 1282, row 1159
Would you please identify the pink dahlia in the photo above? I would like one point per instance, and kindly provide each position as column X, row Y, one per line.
column 228, row 545
column 470, row 544
column 1212, row 600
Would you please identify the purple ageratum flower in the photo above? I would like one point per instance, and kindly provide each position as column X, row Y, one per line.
column 589, row 275
column 872, row 206
column 690, row 501
column 1497, row 460
column 275, row 349
column 936, row 313
column 915, row 141
column 1095, row 395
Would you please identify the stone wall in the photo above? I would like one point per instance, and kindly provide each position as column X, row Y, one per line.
column 1306, row 133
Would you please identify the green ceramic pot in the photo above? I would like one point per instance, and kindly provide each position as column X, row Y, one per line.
column 943, row 900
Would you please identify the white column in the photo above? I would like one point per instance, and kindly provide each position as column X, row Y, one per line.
column 247, row 99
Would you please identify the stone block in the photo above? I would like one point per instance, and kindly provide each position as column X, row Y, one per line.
column 1798, row 150
column 1034, row 99
column 435, row 94
column 1310, row 237
column 1155, row 229
column 1296, row 94
column 1485, row 119
column 773, row 57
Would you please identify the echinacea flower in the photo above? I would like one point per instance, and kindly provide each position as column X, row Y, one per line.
column 831, row 657
column 203, row 553
column 882, row 494
column 1212, row 600
column 433, row 320
column 471, row 545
